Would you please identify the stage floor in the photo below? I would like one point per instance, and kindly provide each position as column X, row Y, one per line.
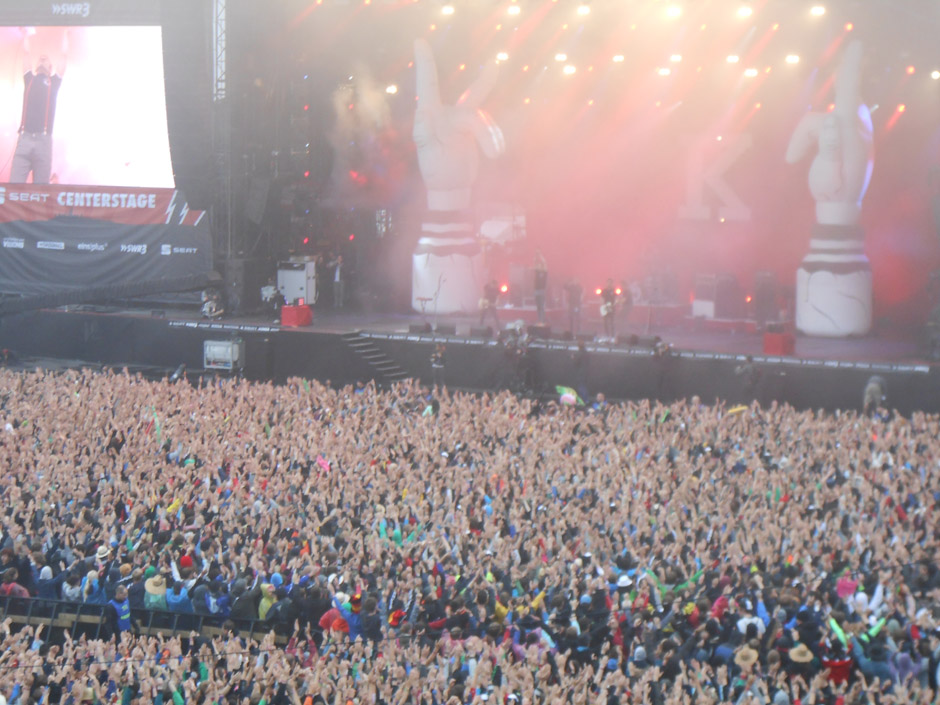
column 723, row 337
column 705, row 358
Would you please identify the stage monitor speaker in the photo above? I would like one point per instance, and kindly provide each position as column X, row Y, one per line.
column 541, row 332
column 419, row 328
column 481, row 332
column 446, row 329
column 647, row 342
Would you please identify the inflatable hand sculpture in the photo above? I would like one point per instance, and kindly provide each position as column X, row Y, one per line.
column 447, row 266
column 842, row 168
column 834, row 283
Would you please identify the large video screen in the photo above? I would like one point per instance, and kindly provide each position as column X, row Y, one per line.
column 83, row 105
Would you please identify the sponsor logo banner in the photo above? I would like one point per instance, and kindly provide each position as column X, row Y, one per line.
column 130, row 206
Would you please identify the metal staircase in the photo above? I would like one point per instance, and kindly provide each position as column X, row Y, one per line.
column 384, row 369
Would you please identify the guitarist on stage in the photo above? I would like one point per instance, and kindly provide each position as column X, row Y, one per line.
column 608, row 307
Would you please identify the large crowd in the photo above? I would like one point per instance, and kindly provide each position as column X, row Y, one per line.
column 463, row 548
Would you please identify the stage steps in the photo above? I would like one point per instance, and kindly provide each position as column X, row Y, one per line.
column 385, row 368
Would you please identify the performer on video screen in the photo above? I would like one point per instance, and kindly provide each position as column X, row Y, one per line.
column 40, row 90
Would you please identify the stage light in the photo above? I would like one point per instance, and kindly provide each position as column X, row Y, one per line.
column 502, row 56
column 674, row 11
column 748, row 299
column 306, row 240
column 618, row 291
column 718, row 138
column 591, row 102
column 750, row 73
column 514, row 10
column 618, row 59
column 849, row 26
column 935, row 75
column 504, row 288
column 792, row 59
column 910, row 70
column 902, row 108
column 433, row 27
column 525, row 68
column 831, row 107
column 392, row 89
column 675, row 58
column 306, row 108
column 352, row 236
column 527, row 101
column 597, row 291
column 561, row 57
column 306, row 174
column 461, row 67
column 756, row 106
column 733, row 59
column 569, row 69
column 447, row 10
column 664, row 71
column 775, row 27
column 745, row 11
column 584, row 10
column 817, row 11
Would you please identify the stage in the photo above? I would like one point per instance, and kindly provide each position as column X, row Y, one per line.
column 348, row 347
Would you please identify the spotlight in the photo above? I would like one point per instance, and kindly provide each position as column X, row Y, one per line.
column 910, row 70
column 675, row 58
column 584, row 10
column 750, row 73
column 618, row 59
column 664, row 71
column 502, row 56
column 745, row 11
column 935, row 75
column 902, row 108
column 733, row 59
column 793, row 59
column 618, row 291
column 597, row 291
column 447, row 10
column 504, row 288
column 569, row 69
column 849, row 26
column 674, row 11
column 817, row 11
column 514, row 10
column 392, row 89
column 561, row 57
